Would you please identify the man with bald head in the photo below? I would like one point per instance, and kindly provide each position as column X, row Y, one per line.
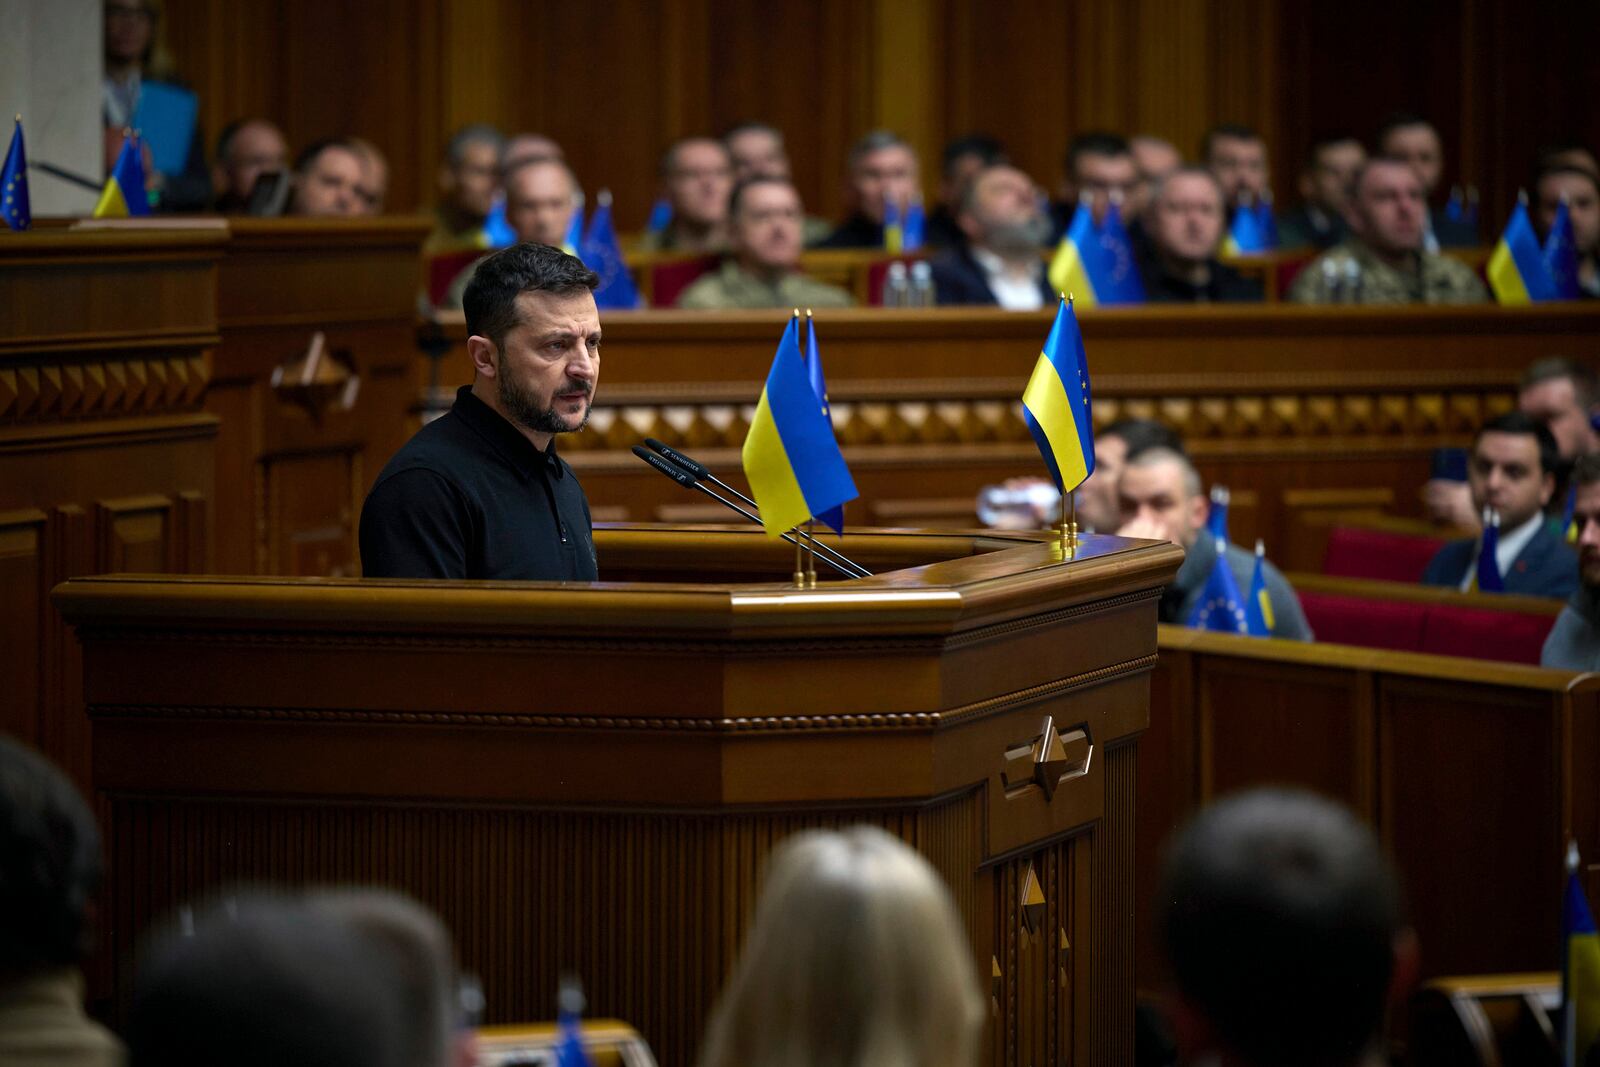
column 1383, row 260
column 696, row 179
column 541, row 195
column 999, row 264
column 246, row 150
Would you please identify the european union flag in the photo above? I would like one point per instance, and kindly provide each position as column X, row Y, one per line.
column 1056, row 403
column 569, row 1006
column 790, row 455
column 1580, row 973
column 125, row 194
column 1517, row 269
column 1486, row 577
column 1217, row 518
column 913, row 226
column 1221, row 607
column 1117, row 281
column 833, row 518
column 1561, row 255
column 497, row 231
column 14, row 206
column 1455, row 209
column 574, row 237
column 601, row 252
column 1258, row 605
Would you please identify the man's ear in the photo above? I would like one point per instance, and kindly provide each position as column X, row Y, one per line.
column 1199, row 511
column 485, row 356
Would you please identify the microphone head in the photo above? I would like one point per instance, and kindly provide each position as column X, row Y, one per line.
column 699, row 470
column 682, row 477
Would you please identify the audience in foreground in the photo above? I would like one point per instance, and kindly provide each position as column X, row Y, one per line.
column 1574, row 642
column 764, row 268
column 856, row 958
column 50, row 869
column 1282, row 923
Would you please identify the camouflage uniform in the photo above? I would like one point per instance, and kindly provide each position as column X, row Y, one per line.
column 731, row 287
column 1350, row 273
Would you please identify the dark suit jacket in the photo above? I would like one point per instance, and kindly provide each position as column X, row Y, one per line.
column 957, row 279
column 1544, row 567
column 857, row 231
column 1227, row 286
column 1452, row 234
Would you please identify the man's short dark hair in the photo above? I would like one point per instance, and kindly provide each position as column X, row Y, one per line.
column 1564, row 170
column 1399, row 120
column 1278, row 914
column 751, row 127
column 1325, row 142
column 876, row 141
column 312, row 152
column 265, row 981
column 490, row 301
column 985, row 146
column 736, row 197
column 1232, row 131
column 669, row 158
column 1585, row 382
column 1093, row 143
column 1143, row 434
column 1517, row 422
column 1586, row 469
column 50, row 864
column 455, row 150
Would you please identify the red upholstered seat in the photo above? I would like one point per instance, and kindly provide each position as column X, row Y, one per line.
column 1396, row 625
column 669, row 280
column 1478, row 633
column 877, row 272
column 443, row 268
column 1288, row 269
column 1359, row 552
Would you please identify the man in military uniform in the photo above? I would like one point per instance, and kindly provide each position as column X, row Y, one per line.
column 763, row 270
column 1383, row 260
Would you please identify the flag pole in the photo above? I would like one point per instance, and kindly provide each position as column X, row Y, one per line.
column 811, row 556
column 799, row 561
column 1069, row 503
column 1569, row 1010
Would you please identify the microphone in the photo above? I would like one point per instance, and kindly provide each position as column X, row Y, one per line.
column 701, row 471
column 689, row 480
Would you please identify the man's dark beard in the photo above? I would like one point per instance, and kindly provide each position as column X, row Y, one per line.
column 524, row 409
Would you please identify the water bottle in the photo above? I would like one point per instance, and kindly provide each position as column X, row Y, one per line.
column 1333, row 280
column 921, row 285
column 1352, row 282
column 1023, row 507
column 896, row 288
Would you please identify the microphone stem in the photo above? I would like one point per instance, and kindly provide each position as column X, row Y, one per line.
column 725, row 502
column 831, row 554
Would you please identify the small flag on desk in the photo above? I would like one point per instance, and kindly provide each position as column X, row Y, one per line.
column 1117, row 281
column 1247, row 233
column 1258, row 605
column 790, row 455
column 601, row 252
column 1056, row 405
column 125, row 194
column 913, row 225
column 1221, row 607
column 497, row 231
column 574, row 236
column 832, row 518
column 569, row 1011
column 1517, row 269
column 894, row 231
column 1569, row 525
column 15, row 210
column 660, row 216
column 1580, row 973
column 1069, row 267
column 1561, row 255
column 1217, row 517
column 1486, row 572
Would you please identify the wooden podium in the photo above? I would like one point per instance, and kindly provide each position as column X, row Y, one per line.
column 588, row 777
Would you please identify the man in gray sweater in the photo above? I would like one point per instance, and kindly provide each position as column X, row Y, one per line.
column 1574, row 643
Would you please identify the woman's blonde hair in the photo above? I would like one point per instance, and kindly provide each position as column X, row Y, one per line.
column 856, row 959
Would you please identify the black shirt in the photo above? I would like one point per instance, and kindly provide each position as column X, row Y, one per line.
column 1225, row 286
column 857, row 231
column 470, row 497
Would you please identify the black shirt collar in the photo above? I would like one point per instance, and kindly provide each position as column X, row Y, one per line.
column 518, row 452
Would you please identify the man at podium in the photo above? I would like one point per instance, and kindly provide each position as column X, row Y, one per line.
column 480, row 492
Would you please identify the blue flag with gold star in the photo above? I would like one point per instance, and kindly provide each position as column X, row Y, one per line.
column 1221, row 604
column 14, row 207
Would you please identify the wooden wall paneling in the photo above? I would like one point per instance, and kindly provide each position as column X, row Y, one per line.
column 1172, row 55
column 23, row 588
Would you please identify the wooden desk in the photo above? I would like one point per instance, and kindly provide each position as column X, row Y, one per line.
column 1305, row 412
column 105, row 453
column 588, row 777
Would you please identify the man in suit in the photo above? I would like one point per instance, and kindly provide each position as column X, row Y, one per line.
column 883, row 168
column 1414, row 140
column 999, row 265
column 1184, row 225
column 1512, row 472
column 1098, row 168
column 1325, row 194
column 1574, row 641
column 963, row 158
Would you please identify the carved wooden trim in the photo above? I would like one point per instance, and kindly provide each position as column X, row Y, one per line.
column 53, row 389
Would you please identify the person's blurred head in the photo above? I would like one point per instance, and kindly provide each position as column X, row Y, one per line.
column 526, row 147
column 1388, row 207
column 1161, row 488
column 1099, row 165
column 882, row 167
column 1114, row 445
column 246, row 149
column 1186, row 216
column 262, row 981
column 697, row 175
column 540, row 198
column 1512, row 467
column 757, row 150
column 1415, row 141
column 1238, row 157
column 1586, row 513
column 1568, row 154
column 855, row 958
column 767, row 221
column 1581, row 190
column 1282, row 923
column 1564, row 395
column 50, row 865
column 961, row 160
column 1000, row 211
column 135, row 34
column 1154, row 156
column 327, row 180
column 469, row 176
column 1331, row 166
column 373, row 191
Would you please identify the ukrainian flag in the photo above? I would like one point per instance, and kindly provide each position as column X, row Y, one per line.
column 124, row 194
column 1056, row 403
column 1069, row 267
column 574, row 236
column 790, row 455
column 1517, row 269
column 1258, row 606
column 1580, row 979
column 1247, row 233
column 894, row 231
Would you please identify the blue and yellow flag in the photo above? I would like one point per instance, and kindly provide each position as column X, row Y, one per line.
column 124, row 194
column 833, row 517
column 1248, row 232
column 15, row 211
column 1561, row 255
column 574, row 236
column 497, row 231
column 1221, row 607
column 1258, row 605
column 913, row 226
column 1580, row 976
column 1070, row 267
column 660, row 216
column 1517, row 270
column 1217, row 517
column 791, row 457
column 601, row 252
column 1569, row 525
column 1115, row 272
column 894, row 231
column 1486, row 577
column 1056, row 404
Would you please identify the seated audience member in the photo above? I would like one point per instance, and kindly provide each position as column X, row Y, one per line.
column 142, row 90
column 1098, row 166
column 882, row 168
column 526, row 148
column 541, row 195
column 1382, row 260
column 999, row 263
column 963, row 158
column 1413, row 139
column 1155, row 157
column 1574, row 643
column 1568, row 154
column 856, row 957
column 50, row 869
column 469, row 179
column 372, row 194
column 327, row 180
column 246, row 149
column 1237, row 156
column 1581, row 189
column 1318, row 222
column 758, row 150
column 263, row 982
column 1099, row 510
column 696, row 178
column 1161, row 497
column 1512, row 470
column 1283, row 927
column 1183, row 228
column 764, row 269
